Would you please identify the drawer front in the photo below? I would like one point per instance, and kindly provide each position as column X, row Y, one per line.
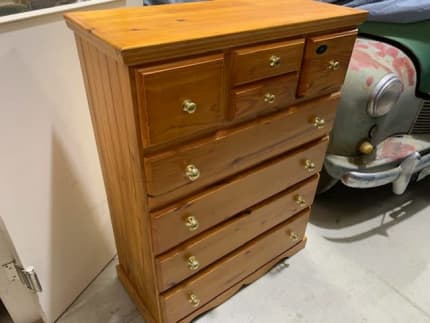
column 325, row 63
column 195, row 255
column 265, row 96
column 179, row 99
column 251, row 278
column 186, row 298
column 194, row 166
column 192, row 216
column 256, row 63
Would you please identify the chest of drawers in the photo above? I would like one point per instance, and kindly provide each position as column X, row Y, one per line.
column 211, row 121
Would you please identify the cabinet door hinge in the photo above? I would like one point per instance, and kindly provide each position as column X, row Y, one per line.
column 27, row 276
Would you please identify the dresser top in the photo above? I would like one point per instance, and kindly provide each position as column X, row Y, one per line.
column 144, row 34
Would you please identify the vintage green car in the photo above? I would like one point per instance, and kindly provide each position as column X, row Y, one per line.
column 382, row 129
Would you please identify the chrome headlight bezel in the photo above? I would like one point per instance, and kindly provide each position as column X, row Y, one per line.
column 385, row 95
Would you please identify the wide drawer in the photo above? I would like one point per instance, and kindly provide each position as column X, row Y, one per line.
column 188, row 168
column 195, row 292
column 251, row 278
column 190, row 217
column 181, row 98
column 265, row 96
column 259, row 62
column 325, row 63
column 195, row 255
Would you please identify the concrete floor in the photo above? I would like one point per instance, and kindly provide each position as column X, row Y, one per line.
column 367, row 260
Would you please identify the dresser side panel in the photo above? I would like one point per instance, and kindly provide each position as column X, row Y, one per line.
column 109, row 91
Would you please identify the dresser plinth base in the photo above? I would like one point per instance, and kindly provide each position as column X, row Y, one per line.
column 128, row 285
column 247, row 281
column 218, row 300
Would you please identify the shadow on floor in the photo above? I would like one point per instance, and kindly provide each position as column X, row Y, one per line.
column 342, row 207
column 4, row 315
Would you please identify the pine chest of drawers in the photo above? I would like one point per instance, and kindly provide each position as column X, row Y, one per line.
column 211, row 121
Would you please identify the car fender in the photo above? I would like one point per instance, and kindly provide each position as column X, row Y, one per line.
column 371, row 60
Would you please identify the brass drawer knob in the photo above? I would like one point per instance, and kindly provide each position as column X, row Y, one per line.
column 319, row 123
column 192, row 172
column 191, row 223
column 189, row 106
column 269, row 98
column 300, row 200
column 194, row 300
column 333, row 65
column 309, row 165
column 274, row 61
column 193, row 263
column 294, row 236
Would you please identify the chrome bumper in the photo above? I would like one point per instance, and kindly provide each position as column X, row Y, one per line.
column 400, row 176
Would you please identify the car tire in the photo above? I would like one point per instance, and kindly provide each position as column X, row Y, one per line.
column 326, row 182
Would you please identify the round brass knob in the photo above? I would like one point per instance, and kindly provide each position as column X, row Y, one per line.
column 309, row 165
column 191, row 223
column 192, row 172
column 300, row 200
column 366, row 148
column 294, row 236
column 194, row 300
column 193, row 263
column 189, row 106
column 319, row 123
column 269, row 98
column 333, row 65
column 274, row 61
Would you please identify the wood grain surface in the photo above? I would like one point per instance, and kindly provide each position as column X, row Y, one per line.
column 221, row 240
column 219, row 299
column 154, row 33
column 163, row 89
column 233, row 268
column 240, row 148
column 114, row 120
column 250, row 100
column 253, row 63
column 316, row 77
column 135, row 295
column 260, row 183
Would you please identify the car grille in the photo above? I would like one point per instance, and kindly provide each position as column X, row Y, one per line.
column 422, row 124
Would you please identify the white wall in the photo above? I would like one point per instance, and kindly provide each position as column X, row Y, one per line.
column 52, row 198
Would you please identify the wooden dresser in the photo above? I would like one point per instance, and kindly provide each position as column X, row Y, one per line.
column 211, row 121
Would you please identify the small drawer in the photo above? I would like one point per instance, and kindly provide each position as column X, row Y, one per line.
column 192, row 216
column 259, row 62
column 179, row 99
column 263, row 97
column 186, row 169
column 197, row 291
column 325, row 63
column 195, row 255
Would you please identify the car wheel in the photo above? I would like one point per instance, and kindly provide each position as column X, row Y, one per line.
column 326, row 182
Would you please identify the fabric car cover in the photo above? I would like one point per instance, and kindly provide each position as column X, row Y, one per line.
column 399, row 11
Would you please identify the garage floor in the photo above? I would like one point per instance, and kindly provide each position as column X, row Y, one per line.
column 367, row 260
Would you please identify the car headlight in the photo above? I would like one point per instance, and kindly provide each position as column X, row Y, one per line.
column 385, row 95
